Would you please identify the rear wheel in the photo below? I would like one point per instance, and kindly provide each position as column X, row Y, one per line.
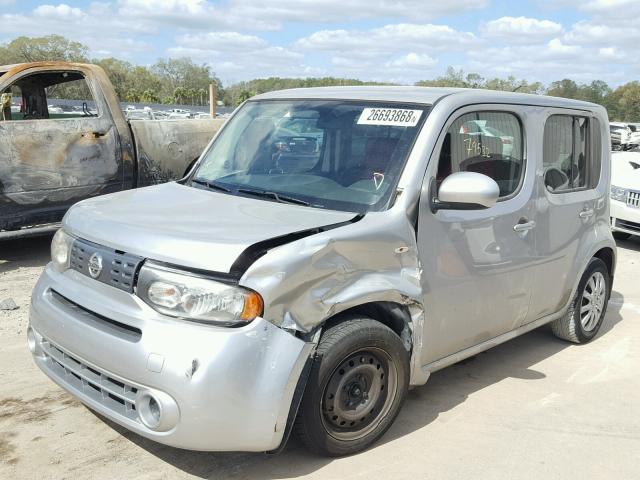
column 588, row 307
column 356, row 387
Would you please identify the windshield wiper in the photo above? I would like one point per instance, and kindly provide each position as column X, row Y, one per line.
column 211, row 185
column 278, row 197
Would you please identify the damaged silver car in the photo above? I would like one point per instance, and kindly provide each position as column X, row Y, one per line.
column 331, row 249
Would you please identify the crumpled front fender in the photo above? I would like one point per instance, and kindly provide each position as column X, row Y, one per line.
column 306, row 282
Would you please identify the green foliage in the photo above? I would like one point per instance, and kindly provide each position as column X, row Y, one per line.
column 457, row 79
column 238, row 93
column 149, row 96
column 51, row 47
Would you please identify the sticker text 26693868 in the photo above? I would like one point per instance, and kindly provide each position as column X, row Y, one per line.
column 396, row 117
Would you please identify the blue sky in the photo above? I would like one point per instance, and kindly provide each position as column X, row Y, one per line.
column 400, row 41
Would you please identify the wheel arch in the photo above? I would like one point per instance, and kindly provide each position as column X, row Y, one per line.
column 608, row 256
column 406, row 320
column 392, row 314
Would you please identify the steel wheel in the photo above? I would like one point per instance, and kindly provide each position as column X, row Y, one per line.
column 359, row 394
column 594, row 298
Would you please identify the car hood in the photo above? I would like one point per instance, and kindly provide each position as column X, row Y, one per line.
column 625, row 170
column 188, row 226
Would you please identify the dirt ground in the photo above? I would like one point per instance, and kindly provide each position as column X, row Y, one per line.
column 535, row 407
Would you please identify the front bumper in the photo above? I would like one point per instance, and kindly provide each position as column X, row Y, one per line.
column 219, row 389
column 625, row 218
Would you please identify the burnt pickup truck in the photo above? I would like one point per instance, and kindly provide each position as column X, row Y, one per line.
column 53, row 155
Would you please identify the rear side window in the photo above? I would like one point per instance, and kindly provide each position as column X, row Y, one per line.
column 571, row 156
column 490, row 143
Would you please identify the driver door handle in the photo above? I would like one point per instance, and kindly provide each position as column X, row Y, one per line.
column 523, row 226
column 586, row 213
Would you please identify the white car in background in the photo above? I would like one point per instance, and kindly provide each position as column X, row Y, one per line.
column 624, row 136
column 625, row 194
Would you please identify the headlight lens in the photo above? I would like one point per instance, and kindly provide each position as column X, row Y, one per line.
column 618, row 193
column 61, row 249
column 187, row 295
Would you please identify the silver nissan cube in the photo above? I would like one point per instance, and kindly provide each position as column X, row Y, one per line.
column 331, row 248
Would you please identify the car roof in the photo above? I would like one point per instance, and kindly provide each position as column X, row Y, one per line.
column 423, row 95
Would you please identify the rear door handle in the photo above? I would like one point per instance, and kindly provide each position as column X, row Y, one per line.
column 586, row 213
column 524, row 226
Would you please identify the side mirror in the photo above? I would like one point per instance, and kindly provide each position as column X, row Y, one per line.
column 464, row 191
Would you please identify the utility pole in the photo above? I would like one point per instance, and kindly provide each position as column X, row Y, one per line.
column 213, row 99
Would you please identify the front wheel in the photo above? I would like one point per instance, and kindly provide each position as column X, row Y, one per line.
column 588, row 307
column 357, row 384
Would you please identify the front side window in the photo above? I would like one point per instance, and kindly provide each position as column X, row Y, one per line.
column 490, row 143
column 571, row 153
column 49, row 95
column 334, row 154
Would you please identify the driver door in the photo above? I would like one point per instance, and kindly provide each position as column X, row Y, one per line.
column 62, row 147
column 477, row 269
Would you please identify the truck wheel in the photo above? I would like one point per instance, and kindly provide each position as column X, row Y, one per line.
column 357, row 384
column 586, row 312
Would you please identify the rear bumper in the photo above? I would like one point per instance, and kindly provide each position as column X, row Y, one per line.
column 219, row 389
column 624, row 218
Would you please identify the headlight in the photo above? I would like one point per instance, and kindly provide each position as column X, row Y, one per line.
column 61, row 249
column 618, row 193
column 187, row 295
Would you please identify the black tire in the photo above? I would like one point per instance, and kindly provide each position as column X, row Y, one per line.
column 621, row 235
column 372, row 357
column 572, row 327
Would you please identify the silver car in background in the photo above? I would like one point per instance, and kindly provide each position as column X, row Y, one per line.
column 331, row 248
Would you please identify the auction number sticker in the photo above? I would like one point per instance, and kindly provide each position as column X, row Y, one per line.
column 395, row 117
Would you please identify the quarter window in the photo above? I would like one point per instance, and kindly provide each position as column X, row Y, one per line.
column 571, row 155
column 490, row 143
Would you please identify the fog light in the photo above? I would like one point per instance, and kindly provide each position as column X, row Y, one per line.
column 150, row 411
column 157, row 410
column 31, row 340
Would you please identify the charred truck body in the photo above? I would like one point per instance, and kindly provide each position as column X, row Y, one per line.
column 53, row 156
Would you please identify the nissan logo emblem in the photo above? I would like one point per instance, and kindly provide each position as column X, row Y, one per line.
column 95, row 265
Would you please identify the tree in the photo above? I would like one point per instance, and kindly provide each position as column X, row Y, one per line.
column 452, row 78
column 132, row 95
column 180, row 95
column 563, row 88
column 118, row 72
column 628, row 104
column 149, row 96
column 34, row 49
column 244, row 96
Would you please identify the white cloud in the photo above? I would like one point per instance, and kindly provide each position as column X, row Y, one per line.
column 59, row 12
column 388, row 39
column 413, row 61
column 234, row 55
column 520, row 29
column 348, row 10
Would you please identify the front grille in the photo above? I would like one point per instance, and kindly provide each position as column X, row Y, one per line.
column 117, row 396
column 628, row 225
column 633, row 199
column 118, row 268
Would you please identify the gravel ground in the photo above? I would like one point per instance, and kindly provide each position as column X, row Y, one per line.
column 535, row 407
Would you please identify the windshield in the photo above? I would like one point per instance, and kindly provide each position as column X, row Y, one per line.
column 339, row 155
